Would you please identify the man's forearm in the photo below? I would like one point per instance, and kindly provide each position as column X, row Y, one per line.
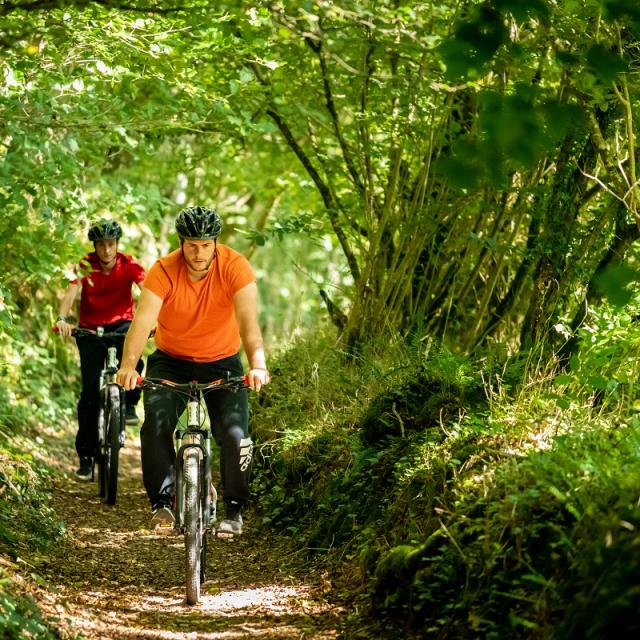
column 134, row 345
column 255, row 353
column 67, row 301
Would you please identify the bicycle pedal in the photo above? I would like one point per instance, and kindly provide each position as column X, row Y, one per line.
column 226, row 535
column 164, row 529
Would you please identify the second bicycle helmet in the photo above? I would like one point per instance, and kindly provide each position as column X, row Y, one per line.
column 105, row 230
column 198, row 223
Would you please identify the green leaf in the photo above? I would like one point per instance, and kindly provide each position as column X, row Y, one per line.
column 459, row 171
column 518, row 621
column 605, row 64
column 474, row 43
column 621, row 9
column 614, row 283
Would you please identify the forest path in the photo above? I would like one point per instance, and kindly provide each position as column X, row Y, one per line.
column 113, row 578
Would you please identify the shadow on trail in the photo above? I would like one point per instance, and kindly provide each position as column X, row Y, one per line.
column 114, row 578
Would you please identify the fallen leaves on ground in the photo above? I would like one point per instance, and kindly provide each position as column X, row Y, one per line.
column 113, row 578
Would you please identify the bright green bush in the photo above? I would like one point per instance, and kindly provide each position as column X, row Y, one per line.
column 464, row 508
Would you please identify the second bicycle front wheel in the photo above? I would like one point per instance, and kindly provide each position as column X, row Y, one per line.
column 112, row 442
column 192, row 523
column 102, row 430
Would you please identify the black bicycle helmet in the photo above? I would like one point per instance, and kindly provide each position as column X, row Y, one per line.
column 198, row 223
column 105, row 230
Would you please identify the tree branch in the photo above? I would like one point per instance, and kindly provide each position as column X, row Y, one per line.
column 324, row 190
column 316, row 47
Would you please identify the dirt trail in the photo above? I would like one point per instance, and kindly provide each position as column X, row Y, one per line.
column 115, row 579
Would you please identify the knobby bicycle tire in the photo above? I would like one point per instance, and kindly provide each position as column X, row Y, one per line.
column 102, row 434
column 112, row 442
column 193, row 534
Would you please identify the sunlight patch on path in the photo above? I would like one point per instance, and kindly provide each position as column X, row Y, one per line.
column 275, row 599
column 267, row 612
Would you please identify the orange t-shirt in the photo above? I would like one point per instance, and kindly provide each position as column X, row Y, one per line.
column 197, row 320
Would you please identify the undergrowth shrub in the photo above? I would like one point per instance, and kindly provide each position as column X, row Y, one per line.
column 20, row 617
column 27, row 522
column 27, row 526
column 460, row 505
column 36, row 390
column 302, row 427
column 520, row 558
column 353, row 452
column 429, row 396
column 40, row 377
column 607, row 366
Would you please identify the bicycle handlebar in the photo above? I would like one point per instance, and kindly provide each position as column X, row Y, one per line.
column 230, row 382
column 99, row 332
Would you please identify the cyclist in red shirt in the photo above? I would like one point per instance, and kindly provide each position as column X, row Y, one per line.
column 203, row 301
column 105, row 278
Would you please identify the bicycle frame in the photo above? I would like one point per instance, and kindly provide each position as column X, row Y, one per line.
column 193, row 486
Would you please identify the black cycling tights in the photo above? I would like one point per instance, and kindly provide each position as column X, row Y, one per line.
column 93, row 352
column 229, row 416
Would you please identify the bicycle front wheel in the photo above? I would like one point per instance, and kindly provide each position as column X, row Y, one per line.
column 102, row 430
column 112, row 444
column 192, row 524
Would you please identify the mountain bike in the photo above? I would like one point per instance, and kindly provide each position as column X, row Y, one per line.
column 111, row 417
column 195, row 495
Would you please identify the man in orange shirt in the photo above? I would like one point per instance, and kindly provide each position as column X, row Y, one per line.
column 203, row 300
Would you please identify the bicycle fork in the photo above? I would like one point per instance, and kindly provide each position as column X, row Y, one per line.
column 107, row 378
column 188, row 439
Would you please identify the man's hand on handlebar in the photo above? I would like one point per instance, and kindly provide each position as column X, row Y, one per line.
column 127, row 377
column 258, row 378
column 63, row 328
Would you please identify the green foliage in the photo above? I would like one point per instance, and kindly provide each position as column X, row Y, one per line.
column 375, row 145
column 27, row 522
column 524, row 546
column 537, row 123
column 39, row 373
column 20, row 618
column 614, row 283
column 474, row 42
column 493, row 520
column 297, row 442
column 607, row 365
column 437, row 391
column 27, row 526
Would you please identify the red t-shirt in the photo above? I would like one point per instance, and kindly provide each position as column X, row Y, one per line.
column 197, row 320
column 106, row 298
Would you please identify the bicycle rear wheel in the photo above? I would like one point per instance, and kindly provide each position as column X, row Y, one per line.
column 192, row 524
column 111, row 451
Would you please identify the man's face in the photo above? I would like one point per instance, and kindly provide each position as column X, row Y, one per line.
column 106, row 251
column 198, row 254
